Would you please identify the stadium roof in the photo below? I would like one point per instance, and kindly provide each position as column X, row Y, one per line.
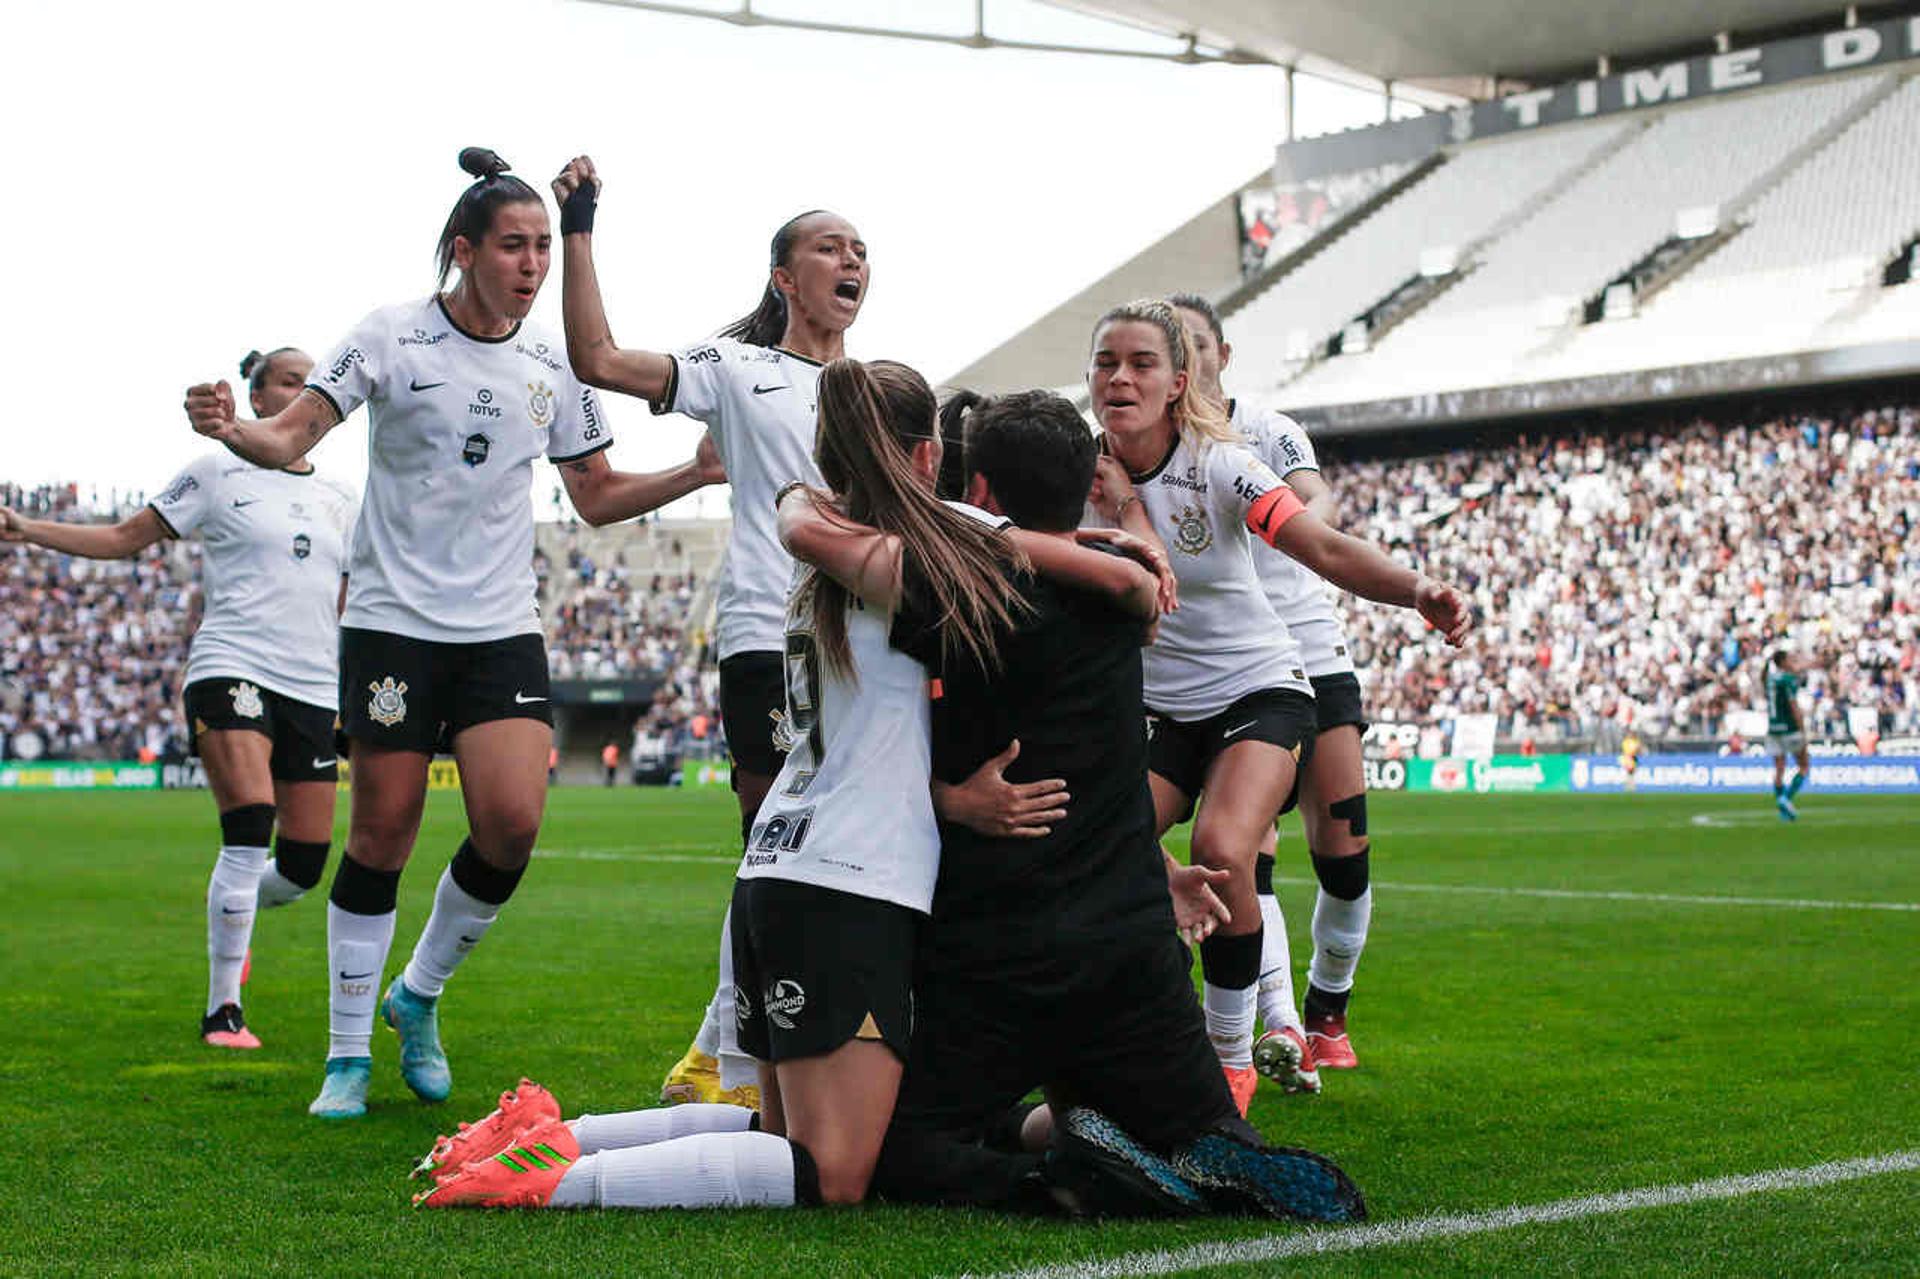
column 1442, row 44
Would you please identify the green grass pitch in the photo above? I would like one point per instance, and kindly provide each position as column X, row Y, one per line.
column 1516, row 1048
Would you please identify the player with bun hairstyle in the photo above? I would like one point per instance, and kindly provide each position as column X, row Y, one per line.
column 1333, row 784
column 1231, row 711
column 261, row 687
column 440, row 643
column 754, row 386
column 841, row 862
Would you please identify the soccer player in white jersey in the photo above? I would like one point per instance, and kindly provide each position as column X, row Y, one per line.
column 440, row 641
column 754, row 387
column 840, row 865
column 261, row 686
column 1333, row 784
column 1231, row 711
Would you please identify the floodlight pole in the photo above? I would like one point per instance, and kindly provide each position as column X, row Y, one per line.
column 1286, row 98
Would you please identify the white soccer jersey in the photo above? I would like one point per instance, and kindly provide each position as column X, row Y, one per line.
column 851, row 809
column 1224, row 641
column 1299, row 596
column 275, row 545
column 444, row 547
column 759, row 402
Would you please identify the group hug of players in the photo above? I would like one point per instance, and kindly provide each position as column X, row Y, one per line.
column 941, row 631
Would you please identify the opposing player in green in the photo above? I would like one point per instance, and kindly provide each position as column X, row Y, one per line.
column 1786, row 731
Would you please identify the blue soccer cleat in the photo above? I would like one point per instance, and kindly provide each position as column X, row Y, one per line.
column 1277, row 1181
column 417, row 1021
column 1788, row 813
column 1106, row 1173
column 343, row 1094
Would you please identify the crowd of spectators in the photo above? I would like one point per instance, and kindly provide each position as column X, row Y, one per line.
column 1638, row 578
column 1632, row 579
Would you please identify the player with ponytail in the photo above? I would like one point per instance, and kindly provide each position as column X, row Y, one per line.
column 441, row 646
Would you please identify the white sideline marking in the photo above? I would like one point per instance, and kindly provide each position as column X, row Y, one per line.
column 663, row 853
column 1612, row 895
column 1318, row 1240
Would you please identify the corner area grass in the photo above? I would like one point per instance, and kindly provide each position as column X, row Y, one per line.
column 1515, row 1049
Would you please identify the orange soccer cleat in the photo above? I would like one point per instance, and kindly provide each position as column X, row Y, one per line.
column 524, row 1175
column 521, row 1107
column 1241, row 1081
column 1283, row 1056
column 1327, row 1040
column 226, row 1027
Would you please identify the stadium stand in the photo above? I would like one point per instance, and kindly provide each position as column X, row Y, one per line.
column 1637, row 576
column 1528, row 289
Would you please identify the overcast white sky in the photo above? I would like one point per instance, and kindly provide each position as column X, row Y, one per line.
column 195, row 179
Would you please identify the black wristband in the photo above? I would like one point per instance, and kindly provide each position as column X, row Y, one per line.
column 576, row 215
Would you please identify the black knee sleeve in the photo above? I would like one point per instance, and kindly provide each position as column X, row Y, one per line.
column 478, row 879
column 1343, row 877
column 362, row 890
column 1263, row 875
column 249, row 826
column 299, row 861
column 1231, row 963
column 1353, row 811
column 806, row 1176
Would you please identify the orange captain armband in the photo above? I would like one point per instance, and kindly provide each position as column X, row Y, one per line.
column 1271, row 511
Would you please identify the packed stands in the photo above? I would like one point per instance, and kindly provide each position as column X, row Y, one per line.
column 1638, row 577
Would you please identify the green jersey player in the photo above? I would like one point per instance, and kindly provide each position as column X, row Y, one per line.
column 1786, row 732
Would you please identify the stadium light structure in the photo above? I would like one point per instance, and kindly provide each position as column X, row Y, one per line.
column 1194, row 54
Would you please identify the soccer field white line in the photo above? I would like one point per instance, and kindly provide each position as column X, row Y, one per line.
column 681, row 854
column 1622, row 895
column 1316, row 1241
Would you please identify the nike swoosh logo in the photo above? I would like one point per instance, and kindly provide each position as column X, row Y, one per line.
column 237, row 503
column 326, row 763
column 521, row 699
column 356, row 976
column 228, row 910
column 1243, row 728
column 423, row 386
column 471, row 941
column 762, row 390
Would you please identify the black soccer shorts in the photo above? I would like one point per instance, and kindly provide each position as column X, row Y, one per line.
column 816, row 967
column 1336, row 701
column 401, row 693
column 301, row 733
column 753, row 702
column 1182, row 752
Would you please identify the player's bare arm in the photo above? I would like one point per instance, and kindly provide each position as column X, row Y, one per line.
column 1130, row 585
column 1314, row 490
column 989, row 804
column 864, row 560
column 604, row 496
column 276, row 441
column 94, row 541
column 1356, row 565
column 597, row 360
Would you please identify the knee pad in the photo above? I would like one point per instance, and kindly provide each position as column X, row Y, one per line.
column 249, row 826
column 299, row 861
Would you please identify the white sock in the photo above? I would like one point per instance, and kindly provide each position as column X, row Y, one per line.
column 1230, row 1023
column 1339, row 935
column 357, row 947
column 736, row 1068
column 712, row 1170
column 1277, row 1007
column 276, row 889
column 720, row 1007
column 458, row 922
column 230, row 907
column 596, row 1133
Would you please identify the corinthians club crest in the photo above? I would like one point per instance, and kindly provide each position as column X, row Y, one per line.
column 389, row 704
column 1190, row 531
column 246, row 701
column 540, row 404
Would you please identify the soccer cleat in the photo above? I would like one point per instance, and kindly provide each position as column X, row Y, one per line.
column 1788, row 813
column 343, row 1094
column 422, row 1064
column 1283, row 1056
column 520, row 1108
column 1106, row 1173
column 524, row 1175
column 246, row 967
column 226, row 1027
column 1241, row 1081
column 1328, row 1044
column 1278, row 1181
column 696, row 1077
